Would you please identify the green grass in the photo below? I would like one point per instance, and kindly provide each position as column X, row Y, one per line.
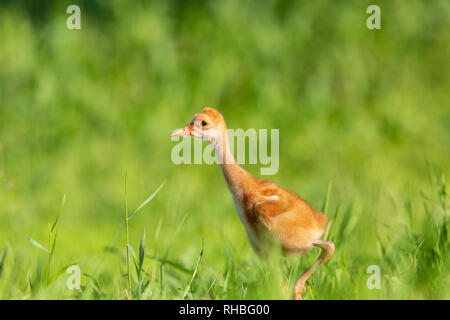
column 364, row 136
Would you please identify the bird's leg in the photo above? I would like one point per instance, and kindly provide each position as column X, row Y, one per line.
column 326, row 251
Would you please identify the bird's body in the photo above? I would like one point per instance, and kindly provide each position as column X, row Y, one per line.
column 269, row 213
column 266, row 208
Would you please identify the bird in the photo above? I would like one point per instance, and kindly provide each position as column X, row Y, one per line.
column 270, row 213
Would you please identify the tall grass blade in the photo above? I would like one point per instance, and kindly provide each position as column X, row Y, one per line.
column 141, row 254
column 150, row 198
column 63, row 202
column 126, row 234
column 58, row 273
column 170, row 263
column 37, row 244
column 188, row 287
column 327, row 199
column 2, row 262
column 96, row 284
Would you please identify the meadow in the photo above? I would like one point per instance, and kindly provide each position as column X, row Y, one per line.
column 85, row 118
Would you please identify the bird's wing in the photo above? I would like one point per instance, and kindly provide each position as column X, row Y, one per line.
column 267, row 208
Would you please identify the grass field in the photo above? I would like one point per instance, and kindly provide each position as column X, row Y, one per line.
column 85, row 115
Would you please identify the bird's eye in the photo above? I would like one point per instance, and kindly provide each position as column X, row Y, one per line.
column 204, row 123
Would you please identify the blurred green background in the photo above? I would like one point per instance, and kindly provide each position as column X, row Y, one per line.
column 365, row 110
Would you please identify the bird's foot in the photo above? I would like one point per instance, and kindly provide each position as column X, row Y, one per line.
column 299, row 288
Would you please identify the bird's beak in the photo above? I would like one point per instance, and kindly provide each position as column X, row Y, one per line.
column 185, row 131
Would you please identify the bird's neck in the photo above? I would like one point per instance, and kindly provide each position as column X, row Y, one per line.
column 234, row 175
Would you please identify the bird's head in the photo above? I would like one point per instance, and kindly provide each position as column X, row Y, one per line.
column 208, row 125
